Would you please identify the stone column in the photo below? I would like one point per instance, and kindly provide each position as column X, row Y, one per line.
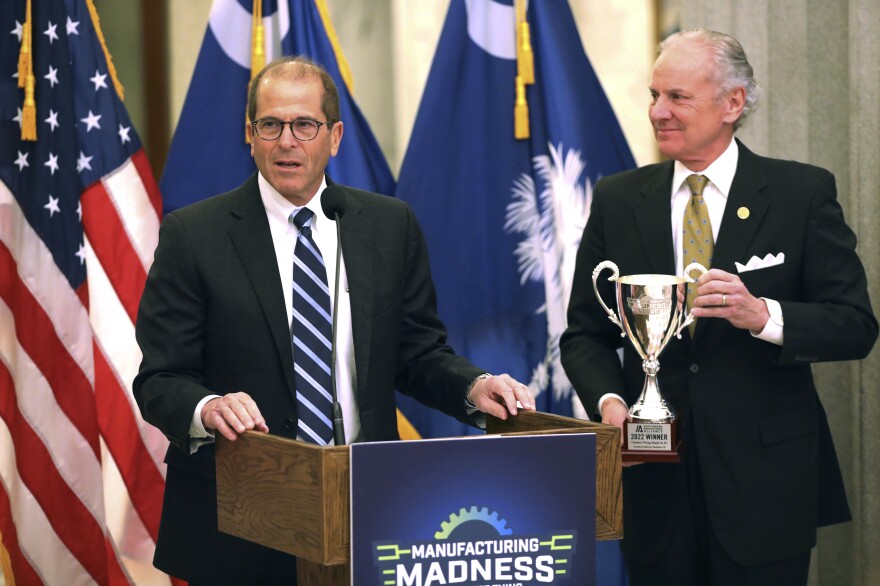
column 819, row 64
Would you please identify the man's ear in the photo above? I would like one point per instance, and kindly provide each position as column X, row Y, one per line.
column 335, row 138
column 736, row 101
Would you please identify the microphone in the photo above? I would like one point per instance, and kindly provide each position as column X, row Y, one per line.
column 333, row 205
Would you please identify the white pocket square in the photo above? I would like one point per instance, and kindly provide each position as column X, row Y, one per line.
column 771, row 260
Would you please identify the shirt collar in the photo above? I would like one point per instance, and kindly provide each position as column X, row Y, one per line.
column 720, row 173
column 278, row 209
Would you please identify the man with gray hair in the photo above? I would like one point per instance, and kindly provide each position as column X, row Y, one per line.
column 785, row 289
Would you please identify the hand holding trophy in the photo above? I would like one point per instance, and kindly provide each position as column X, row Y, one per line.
column 650, row 311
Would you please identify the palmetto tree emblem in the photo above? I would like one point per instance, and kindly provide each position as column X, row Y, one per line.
column 551, row 223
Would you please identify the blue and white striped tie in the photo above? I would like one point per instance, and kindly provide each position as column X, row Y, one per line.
column 311, row 334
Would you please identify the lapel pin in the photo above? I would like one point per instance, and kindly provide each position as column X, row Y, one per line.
column 742, row 213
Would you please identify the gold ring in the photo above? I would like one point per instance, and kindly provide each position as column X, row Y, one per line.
column 723, row 300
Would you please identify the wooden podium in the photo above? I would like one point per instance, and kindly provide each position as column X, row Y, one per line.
column 294, row 497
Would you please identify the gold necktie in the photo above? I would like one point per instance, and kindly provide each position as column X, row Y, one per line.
column 697, row 244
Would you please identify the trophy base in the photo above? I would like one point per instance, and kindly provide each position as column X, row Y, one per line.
column 649, row 441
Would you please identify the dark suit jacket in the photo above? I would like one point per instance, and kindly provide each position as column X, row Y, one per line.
column 768, row 467
column 212, row 320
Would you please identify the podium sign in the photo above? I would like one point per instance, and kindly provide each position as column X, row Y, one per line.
column 482, row 511
column 295, row 497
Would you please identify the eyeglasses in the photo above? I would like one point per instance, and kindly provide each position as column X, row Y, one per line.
column 304, row 129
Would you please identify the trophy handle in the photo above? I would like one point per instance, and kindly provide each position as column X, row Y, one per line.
column 607, row 264
column 686, row 317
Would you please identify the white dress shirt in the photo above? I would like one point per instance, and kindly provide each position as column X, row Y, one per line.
column 284, row 236
column 720, row 175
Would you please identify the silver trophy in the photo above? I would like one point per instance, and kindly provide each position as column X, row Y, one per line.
column 650, row 311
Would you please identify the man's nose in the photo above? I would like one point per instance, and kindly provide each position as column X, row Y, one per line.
column 287, row 138
column 659, row 109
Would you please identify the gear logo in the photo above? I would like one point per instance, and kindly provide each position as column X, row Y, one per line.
column 466, row 522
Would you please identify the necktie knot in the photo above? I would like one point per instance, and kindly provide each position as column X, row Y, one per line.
column 696, row 183
column 302, row 220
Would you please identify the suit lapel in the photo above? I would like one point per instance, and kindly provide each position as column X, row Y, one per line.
column 249, row 231
column 357, row 247
column 736, row 234
column 654, row 220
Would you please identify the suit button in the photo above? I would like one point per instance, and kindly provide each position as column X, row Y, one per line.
column 288, row 423
column 695, row 368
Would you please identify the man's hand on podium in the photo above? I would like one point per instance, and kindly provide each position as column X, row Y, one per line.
column 498, row 395
column 614, row 412
column 232, row 415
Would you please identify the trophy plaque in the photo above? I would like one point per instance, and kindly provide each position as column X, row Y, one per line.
column 650, row 311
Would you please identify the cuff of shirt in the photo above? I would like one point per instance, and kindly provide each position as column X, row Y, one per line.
column 773, row 329
column 198, row 435
column 607, row 396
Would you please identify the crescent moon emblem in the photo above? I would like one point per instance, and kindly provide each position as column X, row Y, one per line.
column 231, row 25
column 492, row 27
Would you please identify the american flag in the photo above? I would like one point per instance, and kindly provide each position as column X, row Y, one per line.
column 81, row 474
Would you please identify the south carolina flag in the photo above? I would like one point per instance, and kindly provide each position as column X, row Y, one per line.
column 503, row 216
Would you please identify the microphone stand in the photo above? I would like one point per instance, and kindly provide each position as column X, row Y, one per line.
column 338, row 425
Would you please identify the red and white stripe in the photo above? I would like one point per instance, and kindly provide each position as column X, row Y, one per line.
column 81, row 474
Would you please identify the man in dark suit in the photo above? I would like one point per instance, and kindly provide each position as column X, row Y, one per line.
column 219, row 318
column 759, row 473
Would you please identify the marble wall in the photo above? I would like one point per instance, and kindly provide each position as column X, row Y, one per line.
column 819, row 64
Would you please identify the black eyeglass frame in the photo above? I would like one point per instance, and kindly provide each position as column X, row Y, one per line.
column 328, row 124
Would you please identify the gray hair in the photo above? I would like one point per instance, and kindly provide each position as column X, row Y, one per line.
column 732, row 67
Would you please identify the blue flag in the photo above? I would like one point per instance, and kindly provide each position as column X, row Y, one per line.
column 503, row 217
column 208, row 154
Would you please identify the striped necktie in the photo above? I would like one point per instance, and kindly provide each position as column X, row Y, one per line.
column 311, row 335
column 698, row 243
